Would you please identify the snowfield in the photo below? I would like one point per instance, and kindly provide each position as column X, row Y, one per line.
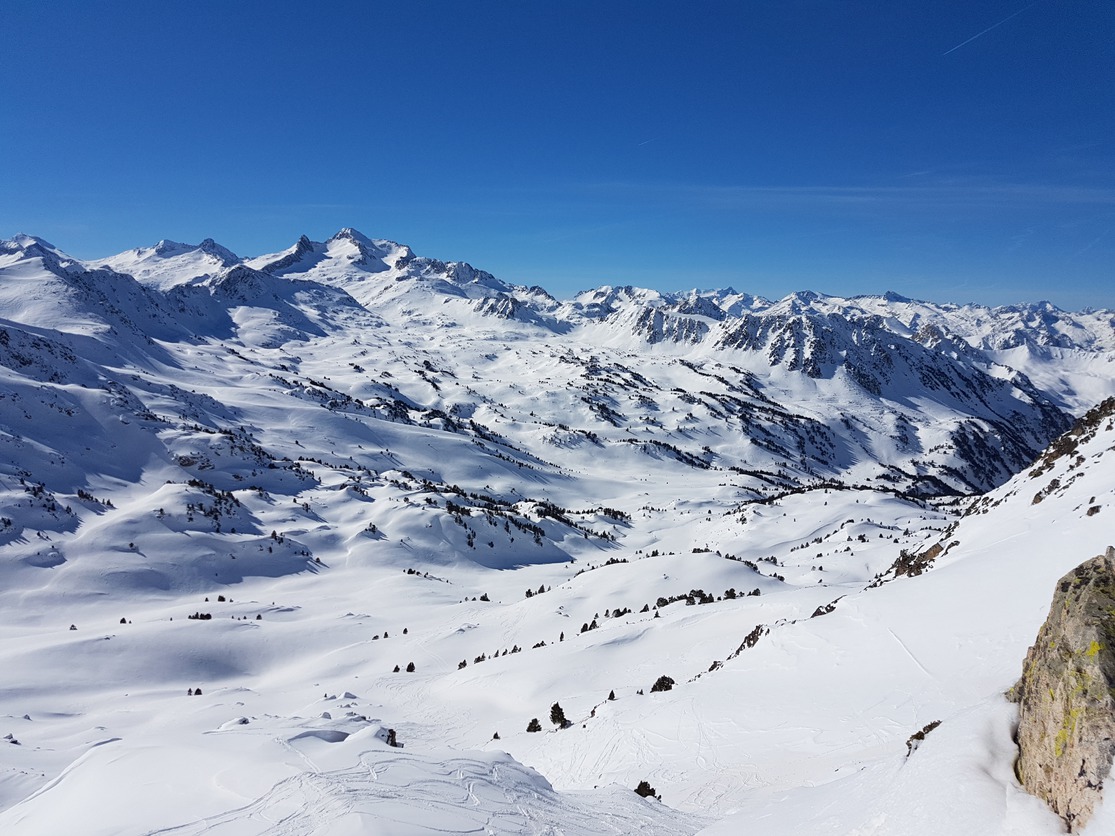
column 260, row 518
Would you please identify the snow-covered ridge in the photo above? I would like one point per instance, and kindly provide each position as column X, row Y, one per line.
column 946, row 413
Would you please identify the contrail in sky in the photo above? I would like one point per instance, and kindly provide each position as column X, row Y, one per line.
column 989, row 28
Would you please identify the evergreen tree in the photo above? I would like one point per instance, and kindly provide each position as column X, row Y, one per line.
column 557, row 716
column 663, row 683
column 534, row 725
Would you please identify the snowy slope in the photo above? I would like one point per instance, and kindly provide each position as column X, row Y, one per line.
column 353, row 458
column 963, row 626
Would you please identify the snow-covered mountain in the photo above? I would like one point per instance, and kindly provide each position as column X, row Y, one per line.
column 332, row 455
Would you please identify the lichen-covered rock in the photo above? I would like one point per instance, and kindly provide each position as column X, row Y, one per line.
column 1066, row 728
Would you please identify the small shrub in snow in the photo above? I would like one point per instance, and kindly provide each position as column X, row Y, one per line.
column 917, row 737
column 647, row 791
column 534, row 725
column 663, row 683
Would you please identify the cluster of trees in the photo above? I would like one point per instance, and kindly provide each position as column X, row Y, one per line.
column 557, row 717
column 483, row 657
column 731, row 594
column 611, row 561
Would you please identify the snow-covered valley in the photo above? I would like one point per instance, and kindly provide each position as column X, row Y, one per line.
column 260, row 516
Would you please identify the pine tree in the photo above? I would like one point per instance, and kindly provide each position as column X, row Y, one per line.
column 663, row 683
column 534, row 725
column 557, row 716
column 611, row 695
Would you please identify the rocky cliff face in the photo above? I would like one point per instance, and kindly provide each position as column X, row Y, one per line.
column 1066, row 731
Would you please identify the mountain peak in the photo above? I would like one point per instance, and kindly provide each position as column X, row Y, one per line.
column 24, row 241
column 806, row 296
column 352, row 235
column 31, row 246
column 166, row 247
column 224, row 254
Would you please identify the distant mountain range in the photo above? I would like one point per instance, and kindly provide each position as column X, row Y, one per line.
column 881, row 390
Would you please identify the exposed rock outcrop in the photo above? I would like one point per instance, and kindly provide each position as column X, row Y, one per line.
column 1066, row 730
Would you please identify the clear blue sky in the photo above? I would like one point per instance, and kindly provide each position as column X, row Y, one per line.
column 954, row 151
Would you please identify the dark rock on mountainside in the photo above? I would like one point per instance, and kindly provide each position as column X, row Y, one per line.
column 1066, row 730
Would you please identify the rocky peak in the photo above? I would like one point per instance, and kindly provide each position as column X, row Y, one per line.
column 300, row 250
column 222, row 254
column 700, row 306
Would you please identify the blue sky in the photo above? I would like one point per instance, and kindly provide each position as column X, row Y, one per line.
column 952, row 151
